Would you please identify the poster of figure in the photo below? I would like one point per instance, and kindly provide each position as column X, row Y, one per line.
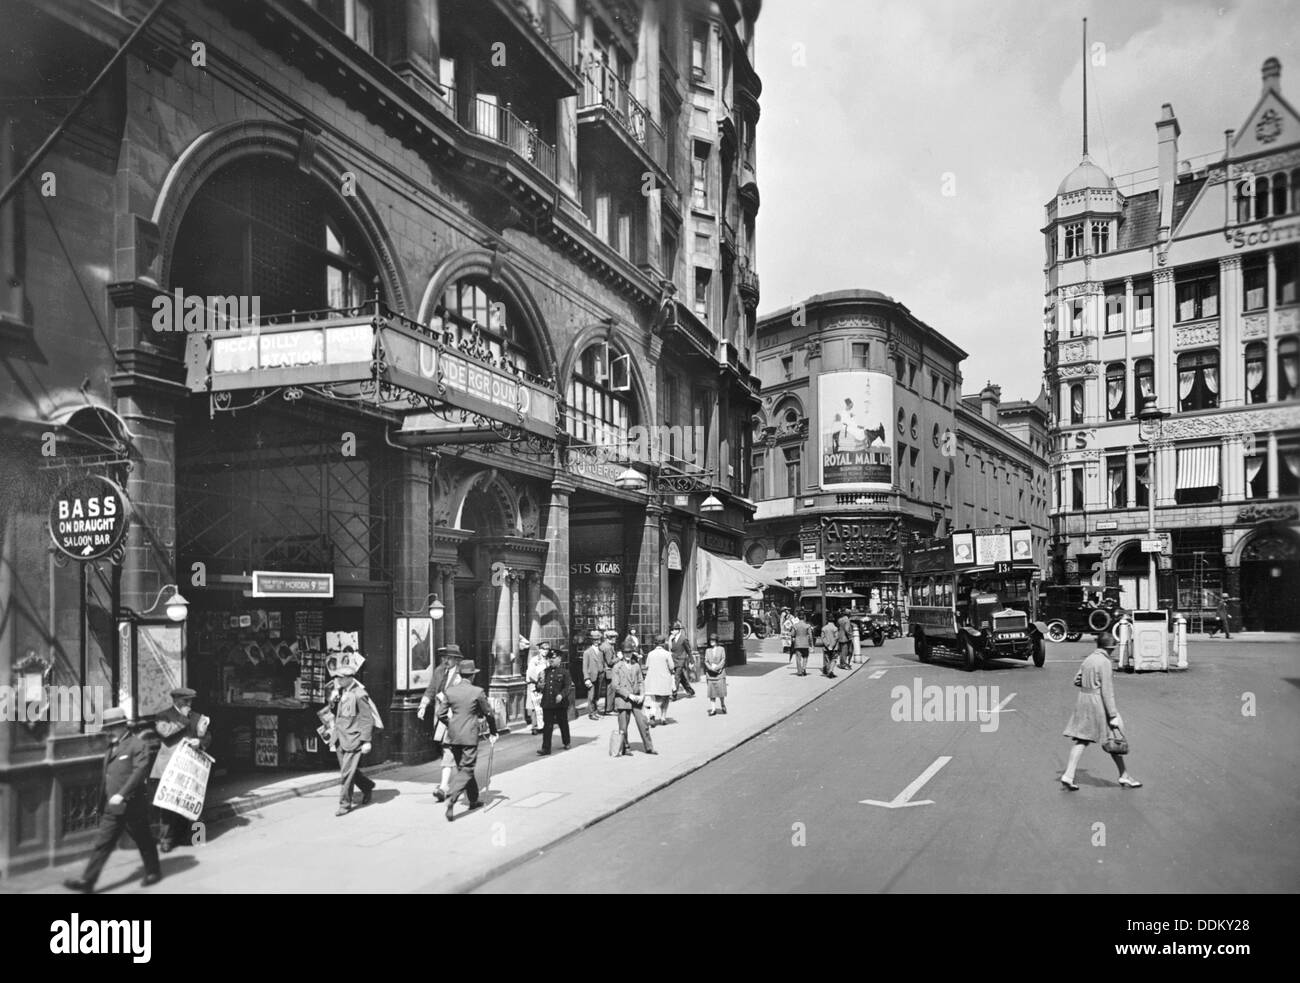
column 1022, row 544
column 413, row 653
column 856, row 411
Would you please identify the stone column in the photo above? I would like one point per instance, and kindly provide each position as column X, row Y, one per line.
column 406, row 738
column 1129, row 316
column 1232, row 385
column 1166, row 474
column 1130, row 479
column 1232, row 469
column 553, row 602
column 1271, row 371
column 1163, row 342
column 1272, row 464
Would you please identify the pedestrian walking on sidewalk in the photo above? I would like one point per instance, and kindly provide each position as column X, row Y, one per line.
column 659, row 672
column 715, row 668
column 533, row 679
column 800, row 643
column 556, row 688
column 844, row 638
column 123, row 799
column 593, row 673
column 787, row 633
column 178, row 725
column 355, row 720
column 679, row 645
column 830, row 647
column 443, row 676
column 468, row 709
column 1096, row 717
column 609, row 655
column 629, row 697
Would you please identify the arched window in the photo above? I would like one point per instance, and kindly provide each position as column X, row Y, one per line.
column 1074, row 240
column 1280, row 196
column 1076, row 403
column 756, row 555
column 1261, row 198
column 1100, row 238
column 1244, row 189
column 1288, row 361
column 477, row 317
column 599, row 412
column 790, row 549
column 1256, row 372
column 1115, row 395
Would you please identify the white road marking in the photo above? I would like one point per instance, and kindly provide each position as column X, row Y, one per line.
column 877, row 674
column 903, row 798
column 1000, row 708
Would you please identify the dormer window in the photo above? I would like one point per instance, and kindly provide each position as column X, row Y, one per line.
column 1100, row 238
column 1074, row 240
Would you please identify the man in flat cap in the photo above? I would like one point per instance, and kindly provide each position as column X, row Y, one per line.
column 355, row 719
column 468, row 707
column 124, row 802
column 435, row 696
column 177, row 725
column 593, row 671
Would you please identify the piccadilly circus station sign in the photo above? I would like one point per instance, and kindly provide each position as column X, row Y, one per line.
column 399, row 357
column 88, row 518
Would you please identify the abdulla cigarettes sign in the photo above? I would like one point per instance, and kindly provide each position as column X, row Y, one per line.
column 88, row 518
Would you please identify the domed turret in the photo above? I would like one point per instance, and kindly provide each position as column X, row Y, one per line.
column 1087, row 176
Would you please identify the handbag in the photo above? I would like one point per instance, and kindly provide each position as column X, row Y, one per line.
column 1117, row 743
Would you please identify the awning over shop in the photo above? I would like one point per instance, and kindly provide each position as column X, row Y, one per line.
column 718, row 577
column 773, row 574
column 1198, row 467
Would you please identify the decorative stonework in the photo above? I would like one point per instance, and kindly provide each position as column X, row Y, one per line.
column 1084, row 289
column 1287, row 321
column 1229, row 263
column 813, row 349
column 1269, row 126
column 1163, row 276
column 1077, row 371
column 1074, row 351
column 1254, row 326
column 1196, row 335
column 1250, row 421
column 1267, row 513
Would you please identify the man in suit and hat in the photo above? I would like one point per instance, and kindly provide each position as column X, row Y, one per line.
column 124, row 801
column 610, row 657
column 593, row 671
column 355, row 720
column 438, row 683
column 468, row 705
column 177, row 725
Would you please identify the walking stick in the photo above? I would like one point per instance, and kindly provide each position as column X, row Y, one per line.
column 491, row 750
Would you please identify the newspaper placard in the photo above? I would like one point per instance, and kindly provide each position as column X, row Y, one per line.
column 184, row 784
column 266, row 743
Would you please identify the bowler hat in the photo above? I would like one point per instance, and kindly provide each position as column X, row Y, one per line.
column 468, row 668
column 449, row 651
column 611, row 634
column 183, row 693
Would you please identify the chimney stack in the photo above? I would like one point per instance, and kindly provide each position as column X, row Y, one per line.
column 990, row 397
column 1272, row 73
column 1167, row 133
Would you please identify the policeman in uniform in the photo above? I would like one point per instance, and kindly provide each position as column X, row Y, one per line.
column 176, row 725
column 123, row 798
column 555, row 695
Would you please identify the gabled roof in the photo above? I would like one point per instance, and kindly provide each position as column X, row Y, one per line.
column 1272, row 123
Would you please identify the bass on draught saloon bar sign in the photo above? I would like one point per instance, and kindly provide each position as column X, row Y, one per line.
column 88, row 518
column 379, row 348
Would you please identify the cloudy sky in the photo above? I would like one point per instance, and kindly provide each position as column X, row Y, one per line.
column 892, row 95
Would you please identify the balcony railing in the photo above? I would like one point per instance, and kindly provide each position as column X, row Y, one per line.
column 486, row 118
column 603, row 89
column 562, row 36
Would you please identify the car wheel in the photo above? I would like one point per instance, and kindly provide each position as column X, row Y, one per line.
column 1056, row 631
column 1099, row 619
column 748, row 632
column 972, row 659
column 878, row 639
column 1074, row 636
column 921, row 646
column 1040, row 656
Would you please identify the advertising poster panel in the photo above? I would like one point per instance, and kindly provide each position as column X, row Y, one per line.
column 855, row 409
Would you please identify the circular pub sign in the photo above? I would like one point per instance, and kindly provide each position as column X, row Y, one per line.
column 88, row 518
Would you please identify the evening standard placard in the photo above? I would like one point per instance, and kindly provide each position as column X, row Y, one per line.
column 856, row 441
column 184, row 785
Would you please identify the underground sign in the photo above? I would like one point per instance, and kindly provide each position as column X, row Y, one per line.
column 88, row 518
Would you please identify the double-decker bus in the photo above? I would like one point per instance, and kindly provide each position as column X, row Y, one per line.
column 975, row 592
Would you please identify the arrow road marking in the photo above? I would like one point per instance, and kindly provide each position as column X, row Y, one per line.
column 903, row 798
column 1000, row 708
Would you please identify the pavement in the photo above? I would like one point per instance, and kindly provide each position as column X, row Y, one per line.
column 287, row 839
column 847, row 795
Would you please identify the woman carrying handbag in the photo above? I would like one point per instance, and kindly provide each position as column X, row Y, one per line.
column 1095, row 717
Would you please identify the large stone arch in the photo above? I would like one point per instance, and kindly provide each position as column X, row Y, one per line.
column 493, row 266
column 489, row 484
column 216, row 148
column 1261, row 532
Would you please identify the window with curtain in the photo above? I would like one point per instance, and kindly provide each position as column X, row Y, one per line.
column 1257, row 473
column 1142, row 484
column 1288, row 469
column 1115, row 401
column 1115, row 309
column 1196, row 294
column 597, row 414
column 1076, row 403
column 1144, row 376
column 1143, row 305
column 1117, row 481
column 1288, row 367
column 1198, row 380
column 1256, row 372
column 1287, row 270
column 1074, row 240
column 1254, row 284
column 793, row 482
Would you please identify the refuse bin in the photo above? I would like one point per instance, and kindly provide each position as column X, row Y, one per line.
column 1150, row 641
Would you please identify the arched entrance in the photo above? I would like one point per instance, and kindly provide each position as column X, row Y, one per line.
column 1270, row 570
column 1132, row 570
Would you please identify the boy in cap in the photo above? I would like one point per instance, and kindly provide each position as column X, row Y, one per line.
column 468, row 705
column 123, row 800
column 355, row 720
column 176, row 725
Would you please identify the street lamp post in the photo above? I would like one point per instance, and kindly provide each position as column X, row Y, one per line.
column 1149, row 424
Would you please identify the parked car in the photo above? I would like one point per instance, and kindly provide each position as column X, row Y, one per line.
column 1071, row 610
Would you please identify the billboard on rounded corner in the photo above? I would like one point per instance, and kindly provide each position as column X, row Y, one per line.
column 856, row 444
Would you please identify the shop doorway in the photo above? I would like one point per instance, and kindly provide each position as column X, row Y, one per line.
column 1270, row 569
column 1132, row 573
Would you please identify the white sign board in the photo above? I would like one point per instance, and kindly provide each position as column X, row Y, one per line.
column 184, row 785
column 806, row 569
column 1152, row 546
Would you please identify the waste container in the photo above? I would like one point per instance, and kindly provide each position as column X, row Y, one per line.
column 1149, row 644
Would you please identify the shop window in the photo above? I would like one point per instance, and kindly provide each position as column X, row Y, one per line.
column 600, row 411
column 1115, row 309
column 1143, row 305
column 1198, row 380
column 1197, row 294
column 1100, row 238
column 1074, row 240
column 1115, row 401
column 793, row 476
column 1254, row 284
column 1288, row 367
column 1144, row 377
column 1256, row 372
column 1117, row 481
column 1076, row 403
column 1287, row 271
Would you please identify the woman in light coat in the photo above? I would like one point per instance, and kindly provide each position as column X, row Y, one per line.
column 533, row 674
column 659, row 672
column 1095, row 712
column 715, row 670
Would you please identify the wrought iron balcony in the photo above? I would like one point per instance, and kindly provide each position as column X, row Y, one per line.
column 486, row 118
column 603, row 90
